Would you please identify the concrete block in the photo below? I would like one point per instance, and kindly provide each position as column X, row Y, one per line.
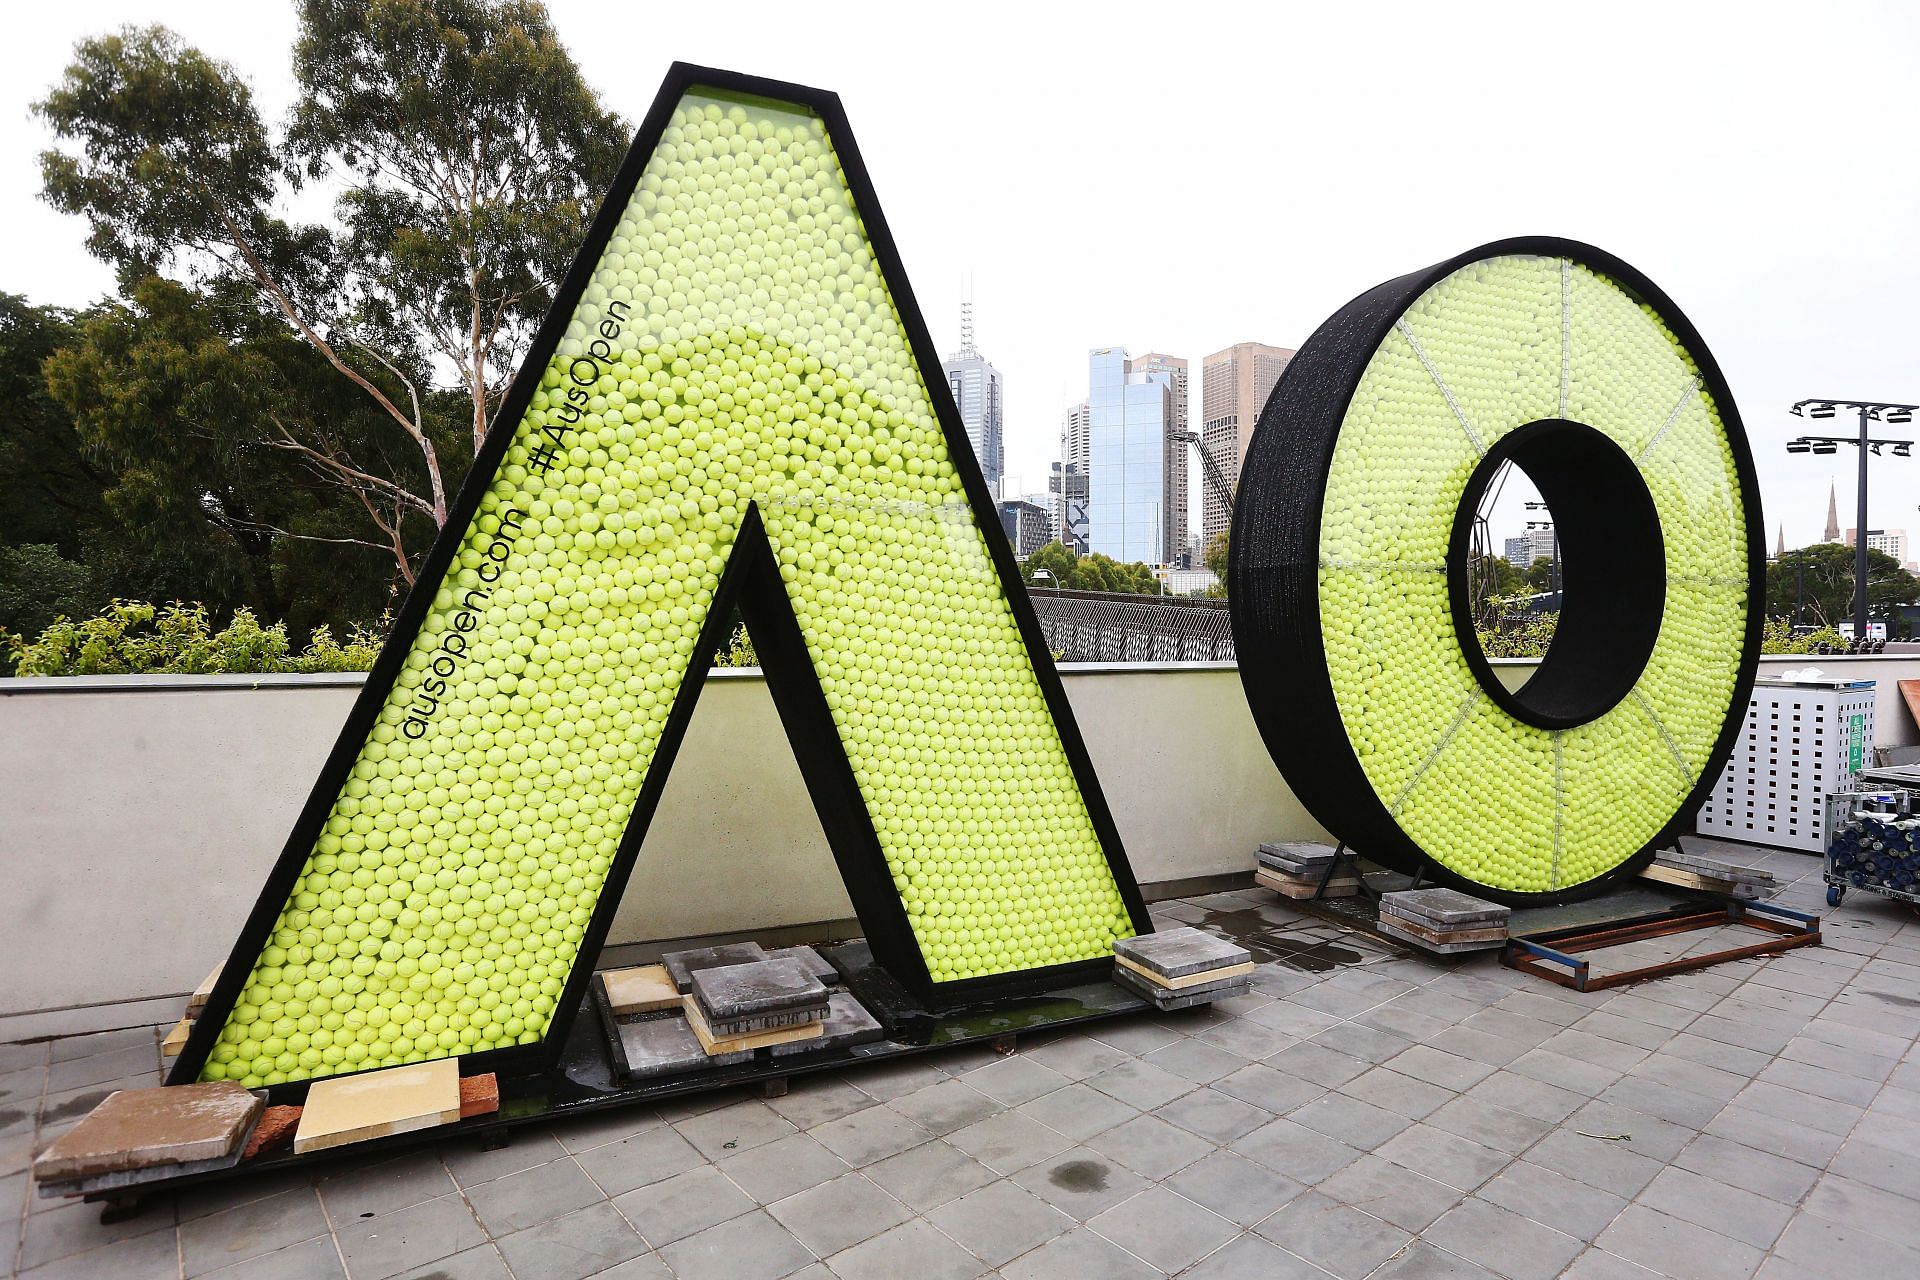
column 143, row 1128
column 717, row 1046
column 666, row 1046
column 377, row 1104
column 810, row 960
column 646, row 989
column 1170, row 1000
column 1389, row 928
column 1443, row 908
column 847, row 1023
column 741, row 999
column 682, row 965
column 1175, row 953
column 1189, row 980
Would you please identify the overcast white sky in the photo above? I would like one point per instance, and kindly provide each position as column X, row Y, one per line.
column 1181, row 177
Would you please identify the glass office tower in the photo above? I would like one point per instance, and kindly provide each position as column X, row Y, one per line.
column 1126, row 477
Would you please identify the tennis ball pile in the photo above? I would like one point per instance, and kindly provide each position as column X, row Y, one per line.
column 1498, row 801
column 755, row 356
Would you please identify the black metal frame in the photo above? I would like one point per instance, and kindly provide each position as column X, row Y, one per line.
column 1608, row 540
column 752, row 579
column 1274, row 556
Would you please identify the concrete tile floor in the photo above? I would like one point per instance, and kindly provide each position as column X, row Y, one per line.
column 1362, row 1114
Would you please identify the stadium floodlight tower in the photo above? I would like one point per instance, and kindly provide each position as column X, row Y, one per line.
column 1870, row 411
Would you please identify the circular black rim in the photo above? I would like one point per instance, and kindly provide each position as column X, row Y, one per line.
column 1273, row 567
column 1613, row 583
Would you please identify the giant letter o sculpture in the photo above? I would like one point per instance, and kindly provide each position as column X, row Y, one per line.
column 1350, row 534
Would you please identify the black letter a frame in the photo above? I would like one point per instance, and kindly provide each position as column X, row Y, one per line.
column 729, row 405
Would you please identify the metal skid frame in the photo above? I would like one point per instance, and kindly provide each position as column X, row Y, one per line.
column 1557, row 956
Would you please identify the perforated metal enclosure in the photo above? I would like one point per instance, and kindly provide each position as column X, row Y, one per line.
column 1800, row 744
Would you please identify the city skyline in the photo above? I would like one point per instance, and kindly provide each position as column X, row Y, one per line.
column 1320, row 200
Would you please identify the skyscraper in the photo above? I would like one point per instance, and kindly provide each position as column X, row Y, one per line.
column 1067, row 488
column 1126, row 481
column 1173, row 485
column 1233, row 388
column 1026, row 525
column 1076, row 436
column 976, row 390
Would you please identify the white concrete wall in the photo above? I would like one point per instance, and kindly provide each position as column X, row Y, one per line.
column 139, row 816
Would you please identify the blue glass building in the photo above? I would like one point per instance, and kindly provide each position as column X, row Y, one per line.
column 1126, row 477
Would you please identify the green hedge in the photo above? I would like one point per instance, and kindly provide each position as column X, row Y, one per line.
column 133, row 637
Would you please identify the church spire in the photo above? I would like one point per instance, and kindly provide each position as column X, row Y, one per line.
column 1833, row 515
column 1780, row 548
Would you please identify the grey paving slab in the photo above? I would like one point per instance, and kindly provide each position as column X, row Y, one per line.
column 779, row 1168
column 1080, row 1254
column 573, row 1246
column 1338, row 1238
column 1151, row 1147
column 1503, row 1241
column 648, row 1156
column 532, row 1196
column 1357, row 1123
column 236, row 1234
column 1014, row 1079
column 1677, row 1248
column 947, row 1105
column 1000, row 1222
column 1250, row 1257
column 152, row 1256
column 1164, row 1229
column 1444, row 1157
column 1538, row 1193
column 869, row 1135
column 1747, row 1216
column 1218, row 1117
column 1081, row 1182
column 380, row 1248
column 683, row 1205
column 750, row 1247
column 1757, row 1118
column 1079, row 1110
column 483, row 1262
column 315, row 1259
column 929, row 1175
column 1234, row 1187
column 1295, row 1150
column 838, row 1214
column 735, row 1127
column 1008, row 1142
column 913, row 1248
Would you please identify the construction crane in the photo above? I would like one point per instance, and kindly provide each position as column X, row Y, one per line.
column 1216, row 476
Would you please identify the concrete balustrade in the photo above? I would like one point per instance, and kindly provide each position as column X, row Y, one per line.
column 139, row 815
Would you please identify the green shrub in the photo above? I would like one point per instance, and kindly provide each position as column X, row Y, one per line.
column 1525, row 637
column 1777, row 637
column 133, row 637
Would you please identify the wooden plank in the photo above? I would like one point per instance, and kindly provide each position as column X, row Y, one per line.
column 1910, row 691
column 1493, row 933
column 717, row 1047
column 1291, row 887
column 1189, row 980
